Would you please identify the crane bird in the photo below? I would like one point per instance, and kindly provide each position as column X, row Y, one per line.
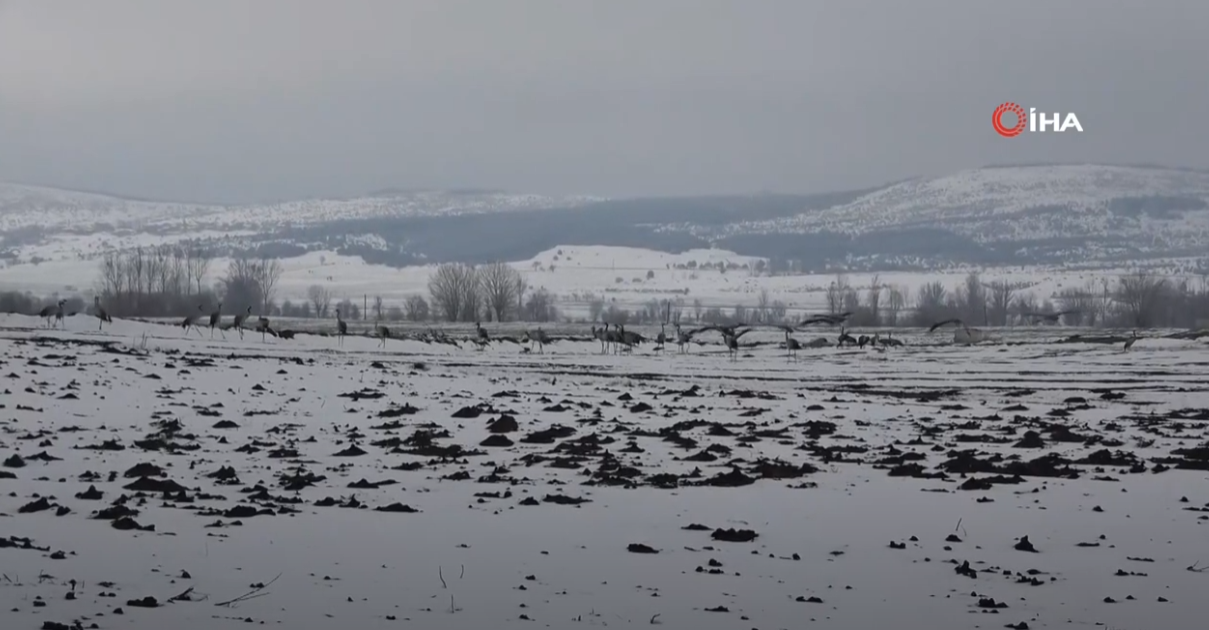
column 964, row 334
column 661, row 340
column 614, row 337
column 52, row 311
column 382, row 333
column 791, row 345
column 890, row 341
column 845, row 338
column 730, row 338
column 599, row 335
column 684, row 338
column 1050, row 318
column 99, row 312
column 190, row 321
column 341, row 328
column 629, row 339
column 215, row 320
column 609, row 338
column 482, row 338
column 829, row 320
column 1129, row 342
column 239, row 320
column 539, row 337
column 263, row 327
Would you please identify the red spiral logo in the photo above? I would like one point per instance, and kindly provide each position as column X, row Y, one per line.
column 997, row 120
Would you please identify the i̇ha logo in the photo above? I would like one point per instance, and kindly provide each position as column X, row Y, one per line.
column 1033, row 121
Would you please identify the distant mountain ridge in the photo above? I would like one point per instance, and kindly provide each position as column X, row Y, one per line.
column 995, row 215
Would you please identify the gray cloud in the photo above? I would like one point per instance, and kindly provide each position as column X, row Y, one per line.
column 236, row 100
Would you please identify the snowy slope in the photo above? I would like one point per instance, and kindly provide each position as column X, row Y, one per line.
column 52, row 209
column 1166, row 207
column 1053, row 215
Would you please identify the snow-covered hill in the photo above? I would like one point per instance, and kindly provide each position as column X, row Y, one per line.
column 52, row 209
column 1056, row 215
column 1157, row 208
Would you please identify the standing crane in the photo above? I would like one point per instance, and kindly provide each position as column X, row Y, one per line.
column 341, row 328
column 239, row 320
column 481, row 336
column 382, row 333
column 215, row 320
column 53, row 311
column 99, row 312
column 539, row 337
column 684, row 338
column 262, row 325
column 791, row 345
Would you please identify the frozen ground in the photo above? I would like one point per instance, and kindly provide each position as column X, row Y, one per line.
column 851, row 466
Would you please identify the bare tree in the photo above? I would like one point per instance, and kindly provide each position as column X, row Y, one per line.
column 836, row 293
column 241, row 285
column 874, row 301
column 1138, row 298
column 416, row 308
column 349, row 309
column 540, row 307
column 930, row 304
column 1000, row 302
column 147, row 282
column 197, row 265
column 778, row 311
column 499, row 284
column 453, row 288
column 595, row 308
column 763, row 303
column 1084, row 300
column 896, row 300
column 971, row 300
column 269, row 272
column 522, row 285
column 378, row 307
column 320, row 298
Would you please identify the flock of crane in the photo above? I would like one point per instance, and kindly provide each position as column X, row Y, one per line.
column 617, row 338
column 622, row 340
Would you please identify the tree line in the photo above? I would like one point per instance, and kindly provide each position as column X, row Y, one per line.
column 171, row 281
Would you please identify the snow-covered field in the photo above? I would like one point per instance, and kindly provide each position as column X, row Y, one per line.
column 576, row 274
column 869, row 480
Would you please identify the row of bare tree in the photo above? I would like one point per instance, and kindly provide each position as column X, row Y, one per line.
column 1138, row 300
column 170, row 280
column 460, row 292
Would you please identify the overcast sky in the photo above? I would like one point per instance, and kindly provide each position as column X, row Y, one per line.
column 238, row 100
